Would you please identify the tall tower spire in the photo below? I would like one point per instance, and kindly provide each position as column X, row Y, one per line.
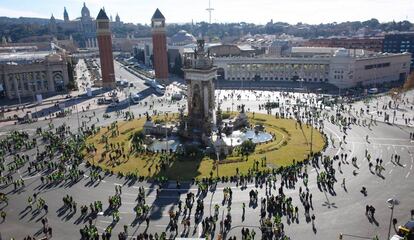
column 104, row 36
column 159, row 42
column 209, row 10
column 65, row 15
column 52, row 25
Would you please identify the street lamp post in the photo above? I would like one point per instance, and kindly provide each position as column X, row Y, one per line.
column 34, row 99
column 166, row 134
column 217, row 162
column 77, row 115
column 312, row 112
column 393, row 202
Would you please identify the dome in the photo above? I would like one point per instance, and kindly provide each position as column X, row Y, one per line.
column 85, row 11
column 182, row 38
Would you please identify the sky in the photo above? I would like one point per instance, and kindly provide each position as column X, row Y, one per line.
column 252, row 11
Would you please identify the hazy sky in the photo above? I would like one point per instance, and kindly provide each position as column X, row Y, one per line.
column 256, row 11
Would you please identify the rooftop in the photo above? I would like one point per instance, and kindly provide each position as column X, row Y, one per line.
column 158, row 15
column 102, row 15
column 23, row 56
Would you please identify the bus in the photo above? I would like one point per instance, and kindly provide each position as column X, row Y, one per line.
column 372, row 90
column 135, row 98
column 160, row 89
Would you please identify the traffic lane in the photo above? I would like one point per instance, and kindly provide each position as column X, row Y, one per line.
column 124, row 74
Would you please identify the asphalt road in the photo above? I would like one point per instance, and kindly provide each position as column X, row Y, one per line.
column 340, row 213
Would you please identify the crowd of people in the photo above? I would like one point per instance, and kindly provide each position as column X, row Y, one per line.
column 55, row 154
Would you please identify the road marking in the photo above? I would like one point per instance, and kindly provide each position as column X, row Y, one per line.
column 411, row 167
column 408, row 174
column 37, row 175
column 103, row 221
column 390, row 172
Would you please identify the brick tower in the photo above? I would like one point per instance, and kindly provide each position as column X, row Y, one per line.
column 159, row 42
column 103, row 33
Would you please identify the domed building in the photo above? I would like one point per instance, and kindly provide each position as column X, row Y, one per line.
column 182, row 38
column 85, row 11
column 83, row 28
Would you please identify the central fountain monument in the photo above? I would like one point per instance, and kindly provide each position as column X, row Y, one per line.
column 199, row 74
column 203, row 125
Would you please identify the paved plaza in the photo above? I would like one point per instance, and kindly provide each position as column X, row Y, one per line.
column 362, row 151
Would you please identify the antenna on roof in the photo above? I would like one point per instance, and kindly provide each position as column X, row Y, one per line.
column 209, row 10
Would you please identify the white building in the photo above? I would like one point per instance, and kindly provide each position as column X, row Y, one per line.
column 340, row 67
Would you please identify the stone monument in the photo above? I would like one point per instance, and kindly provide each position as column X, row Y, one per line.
column 199, row 76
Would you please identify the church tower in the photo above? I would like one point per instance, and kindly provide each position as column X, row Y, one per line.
column 52, row 25
column 199, row 75
column 159, row 42
column 105, row 50
column 65, row 16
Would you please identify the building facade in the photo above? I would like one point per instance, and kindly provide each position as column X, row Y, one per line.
column 159, row 42
column 28, row 74
column 105, row 50
column 340, row 67
column 400, row 43
column 367, row 43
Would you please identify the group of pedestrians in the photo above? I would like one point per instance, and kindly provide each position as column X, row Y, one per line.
column 57, row 159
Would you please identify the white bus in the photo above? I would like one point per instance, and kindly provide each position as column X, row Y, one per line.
column 373, row 90
column 160, row 89
column 135, row 98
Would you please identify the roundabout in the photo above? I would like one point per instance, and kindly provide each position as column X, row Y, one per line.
column 285, row 148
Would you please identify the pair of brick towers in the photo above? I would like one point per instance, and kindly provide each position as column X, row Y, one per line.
column 159, row 42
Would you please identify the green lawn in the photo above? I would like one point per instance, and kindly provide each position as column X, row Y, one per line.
column 291, row 143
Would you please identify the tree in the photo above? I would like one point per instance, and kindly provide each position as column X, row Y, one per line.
column 72, row 84
column 247, row 147
column 178, row 65
column 409, row 83
column 137, row 139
